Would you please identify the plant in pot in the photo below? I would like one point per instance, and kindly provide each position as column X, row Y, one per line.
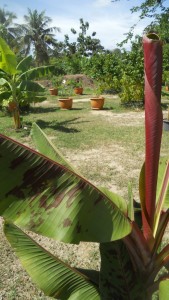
column 42, row 192
column 97, row 101
column 56, row 83
column 65, row 101
column 167, row 85
column 78, row 86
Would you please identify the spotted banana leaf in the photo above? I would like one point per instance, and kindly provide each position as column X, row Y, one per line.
column 41, row 195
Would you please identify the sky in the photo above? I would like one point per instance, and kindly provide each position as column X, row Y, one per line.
column 110, row 20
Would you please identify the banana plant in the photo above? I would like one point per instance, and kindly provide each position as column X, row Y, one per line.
column 17, row 81
column 43, row 193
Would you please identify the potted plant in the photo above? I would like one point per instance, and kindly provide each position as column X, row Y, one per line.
column 56, row 82
column 65, row 102
column 97, row 101
column 78, row 87
column 167, row 85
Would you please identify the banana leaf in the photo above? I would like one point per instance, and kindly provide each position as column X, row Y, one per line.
column 46, row 147
column 27, row 85
column 164, row 289
column 54, row 277
column 38, row 72
column 118, row 279
column 24, row 64
column 41, row 195
column 8, row 60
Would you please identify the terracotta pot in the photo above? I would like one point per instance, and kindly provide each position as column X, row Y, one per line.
column 78, row 90
column 65, row 103
column 167, row 88
column 53, row 92
column 97, row 102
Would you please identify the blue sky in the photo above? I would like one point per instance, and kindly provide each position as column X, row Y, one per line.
column 109, row 20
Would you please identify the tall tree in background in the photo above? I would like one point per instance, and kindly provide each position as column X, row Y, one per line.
column 85, row 45
column 38, row 36
column 160, row 25
column 147, row 8
column 7, row 28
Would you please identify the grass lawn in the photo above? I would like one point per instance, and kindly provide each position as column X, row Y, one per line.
column 106, row 146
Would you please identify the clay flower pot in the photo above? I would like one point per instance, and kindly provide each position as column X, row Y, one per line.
column 65, row 103
column 97, row 102
column 78, row 90
column 53, row 92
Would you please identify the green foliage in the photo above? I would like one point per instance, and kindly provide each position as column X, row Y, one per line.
column 106, row 69
column 17, row 82
column 132, row 91
column 7, row 29
column 36, row 33
column 86, row 45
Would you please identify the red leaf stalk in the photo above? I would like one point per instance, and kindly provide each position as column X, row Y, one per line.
column 153, row 124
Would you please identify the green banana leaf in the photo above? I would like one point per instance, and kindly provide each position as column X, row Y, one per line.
column 37, row 72
column 162, row 196
column 3, row 81
column 24, row 64
column 8, row 60
column 30, row 97
column 164, row 289
column 116, row 199
column 27, row 85
column 118, row 279
column 55, row 278
column 39, row 194
column 47, row 148
column 5, row 95
column 163, row 179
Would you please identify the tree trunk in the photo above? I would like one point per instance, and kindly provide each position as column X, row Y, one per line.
column 17, row 120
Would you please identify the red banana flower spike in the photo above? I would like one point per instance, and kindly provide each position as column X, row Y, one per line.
column 153, row 127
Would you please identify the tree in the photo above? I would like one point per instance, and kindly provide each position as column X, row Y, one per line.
column 7, row 28
column 85, row 45
column 160, row 25
column 37, row 36
column 147, row 8
column 17, row 81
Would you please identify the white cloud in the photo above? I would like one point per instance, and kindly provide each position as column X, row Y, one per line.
column 110, row 31
column 101, row 3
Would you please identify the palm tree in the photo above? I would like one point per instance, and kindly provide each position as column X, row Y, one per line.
column 7, row 28
column 37, row 36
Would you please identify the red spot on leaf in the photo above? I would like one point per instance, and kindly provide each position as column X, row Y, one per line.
column 67, row 223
